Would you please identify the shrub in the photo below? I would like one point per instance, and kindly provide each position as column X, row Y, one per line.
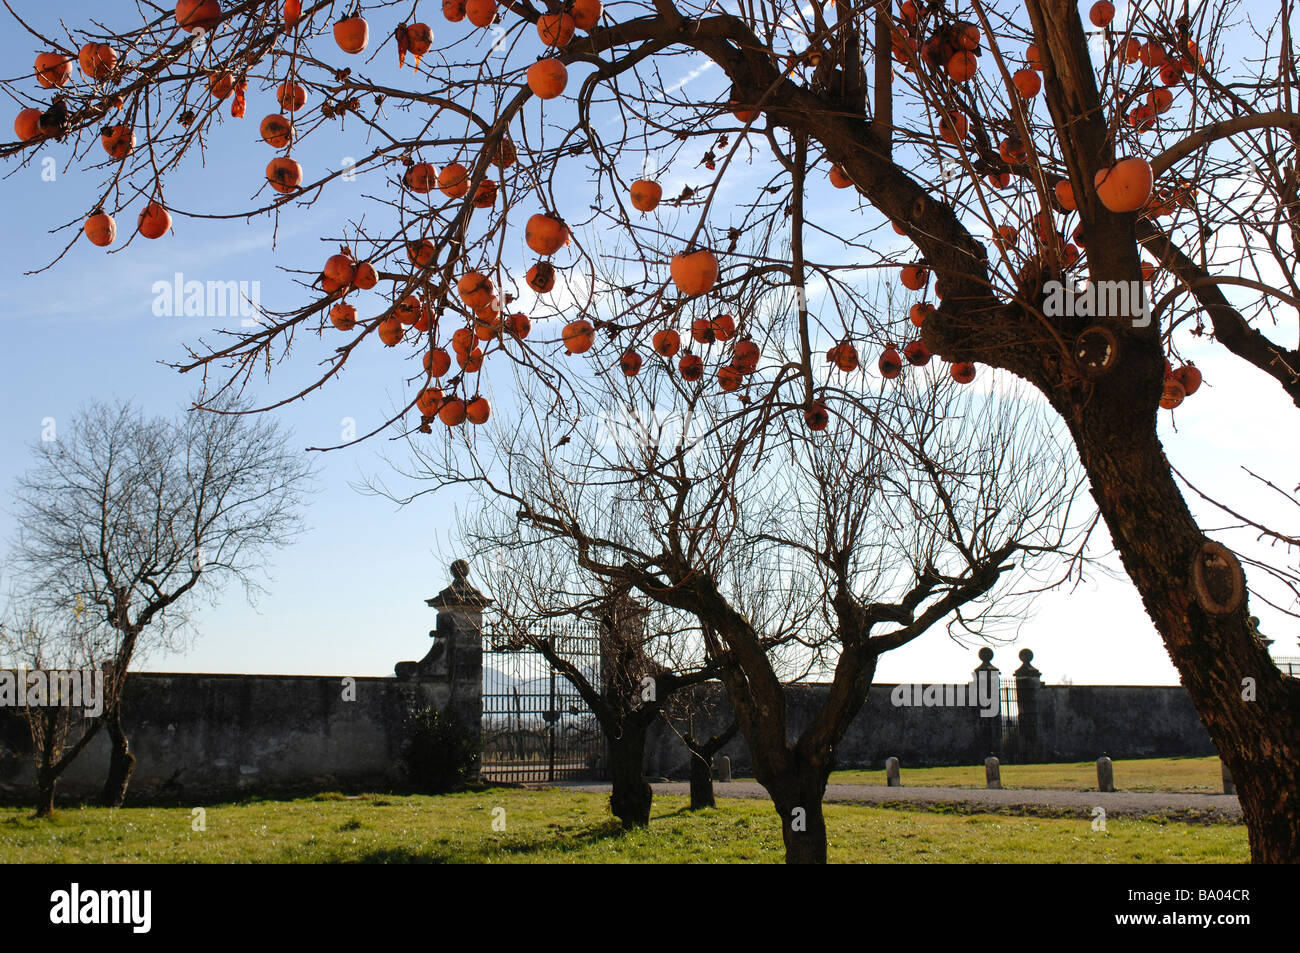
column 439, row 753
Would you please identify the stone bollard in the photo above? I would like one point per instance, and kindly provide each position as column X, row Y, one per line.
column 1105, row 774
column 992, row 774
column 1228, row 786
column 723, row 765
column 891, row 773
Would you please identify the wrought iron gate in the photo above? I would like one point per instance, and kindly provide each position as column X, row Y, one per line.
column 536, row 727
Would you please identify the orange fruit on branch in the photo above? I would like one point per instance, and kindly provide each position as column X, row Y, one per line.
column 193, row 16
column 154, row 221
column 546, row 234
column 1027, row 82
column 476, row 289
column 277, row 131
column 1125, row 186
column 118, row 141
column 547, row 78
column 916, row 353
column 541, row 277
column 452, row 412
column 915, row 277
column 97, row 61
column 429, row 401
column 390, row 331
column 343, row 316
column 352, row 34
column 666, row 343
column 1102, row 13
column 518, row 325
column 421, row 178
column 53, row 69
column 436, row 362
column 691, row 367
column 478, row 410
column 453, row 180
column 963, row 372
column 365, row 277
column 481, row 13
column 579, row 336
column 586, row 14
column 645, row 195
column 630, row 363
column 555, row 29
column 100, row 229
column 284, row 174
column 694, row 273
column 290, row 96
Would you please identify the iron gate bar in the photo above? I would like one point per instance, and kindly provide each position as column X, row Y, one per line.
column 535, row 730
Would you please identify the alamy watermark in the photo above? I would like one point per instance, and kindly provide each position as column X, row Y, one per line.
column 55, row 688
column 1099, row 299
column 983, row 692
column 208, row 299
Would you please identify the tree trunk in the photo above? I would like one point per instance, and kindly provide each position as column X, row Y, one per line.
column 701, row 779
column 1158, row 541
column 45, row 785
column 630, row 796
column 798, row 801
column 121, row 763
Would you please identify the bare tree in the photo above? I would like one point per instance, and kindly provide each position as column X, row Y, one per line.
column 818, row 554
column 649, row 654
column 58, row 650
column 129, row 518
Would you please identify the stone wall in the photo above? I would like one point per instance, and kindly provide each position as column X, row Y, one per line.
column 201, row 737
column 1073, row 723
column 217, row 736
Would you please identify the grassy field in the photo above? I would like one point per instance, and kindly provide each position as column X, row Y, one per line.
column 553, row 826
column 1190, row 775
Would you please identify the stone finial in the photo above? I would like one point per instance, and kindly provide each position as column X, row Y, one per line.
column 461, row 594
column 1026, row 669
column 986, row 661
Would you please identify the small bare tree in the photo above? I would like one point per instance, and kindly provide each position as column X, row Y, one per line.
column 127, row 517
column 58, row 727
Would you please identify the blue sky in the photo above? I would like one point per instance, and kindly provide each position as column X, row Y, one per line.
column 347, row 597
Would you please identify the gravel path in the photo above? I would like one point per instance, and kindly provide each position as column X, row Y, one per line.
column 1215, row 807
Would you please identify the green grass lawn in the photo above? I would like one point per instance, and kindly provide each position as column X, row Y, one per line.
column 553, row 826
column 1190, row 775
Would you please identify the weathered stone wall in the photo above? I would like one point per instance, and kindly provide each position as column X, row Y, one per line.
column 212, row 736
column 1074, row 723
column 1082, row 722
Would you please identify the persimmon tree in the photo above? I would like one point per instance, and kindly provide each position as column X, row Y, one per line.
column 1013, row 148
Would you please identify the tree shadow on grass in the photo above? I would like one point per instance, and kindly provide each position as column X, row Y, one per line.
column 488, row 851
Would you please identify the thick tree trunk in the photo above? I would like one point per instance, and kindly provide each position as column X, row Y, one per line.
column 121, row 762
column 630, row 795
column 701, row 780
column 798, row 801
column 1218, row 656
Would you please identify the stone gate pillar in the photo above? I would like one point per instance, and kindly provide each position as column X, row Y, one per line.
column 1028, row 682
column 988, row 728
column 456, row 657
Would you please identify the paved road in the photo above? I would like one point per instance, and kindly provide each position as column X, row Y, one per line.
column 1219, row 807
